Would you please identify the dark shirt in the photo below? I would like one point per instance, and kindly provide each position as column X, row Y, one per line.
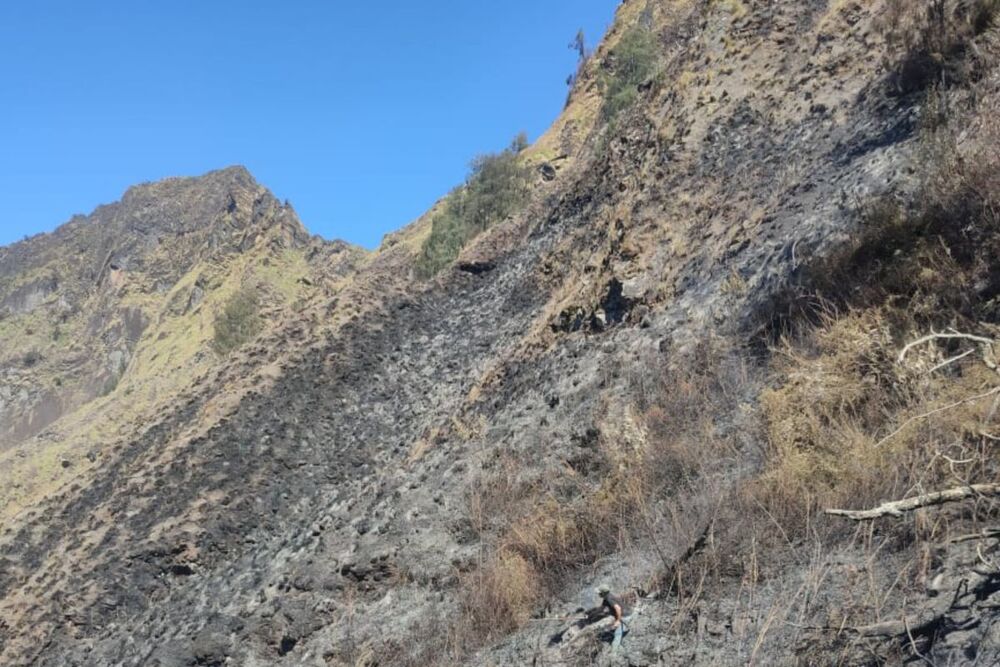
column 611, row 600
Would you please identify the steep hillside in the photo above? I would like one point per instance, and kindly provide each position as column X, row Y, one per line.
column 685, row 344
column 107, row 318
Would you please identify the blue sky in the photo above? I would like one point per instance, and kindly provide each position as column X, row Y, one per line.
column 361, row 114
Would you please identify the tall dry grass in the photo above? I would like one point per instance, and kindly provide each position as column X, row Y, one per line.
column 847, row 423
column 657, row 493
column 936, row 41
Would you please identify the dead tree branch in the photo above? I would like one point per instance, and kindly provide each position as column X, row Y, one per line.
column 937, row 336
column 985, row 534
column 897, row 507
column 950, row 361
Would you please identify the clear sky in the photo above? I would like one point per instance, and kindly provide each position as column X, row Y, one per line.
column 360, row 113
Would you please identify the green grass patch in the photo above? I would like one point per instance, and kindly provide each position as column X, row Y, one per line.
column 239, row 322
column 284, row 272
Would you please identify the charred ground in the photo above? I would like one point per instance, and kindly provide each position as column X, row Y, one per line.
column 657, row 373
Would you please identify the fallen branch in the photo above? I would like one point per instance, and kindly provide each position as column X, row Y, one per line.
column 973, row 589
column 897, row 507
column 672, row 572
column 985, row 534
column 936, row 336
column 883, row 629
column 913, row 643
column 949, row 362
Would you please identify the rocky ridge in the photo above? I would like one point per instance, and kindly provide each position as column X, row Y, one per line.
column 118, row 305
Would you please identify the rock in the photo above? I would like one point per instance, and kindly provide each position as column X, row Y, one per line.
column 210, row 648
column 547, row 171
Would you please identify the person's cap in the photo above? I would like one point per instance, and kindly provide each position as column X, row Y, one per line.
column 603, row 589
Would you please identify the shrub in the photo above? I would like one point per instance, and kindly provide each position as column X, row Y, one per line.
column 239, row 321
column 496, row 188
column 31, row 358
column 633, row 64
column 933, row 256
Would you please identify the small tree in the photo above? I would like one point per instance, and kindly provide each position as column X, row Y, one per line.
column 579, row 45
column 239, row 322
column 634, row 63
column 497, row 186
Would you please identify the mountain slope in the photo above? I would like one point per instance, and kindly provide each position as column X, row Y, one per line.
column 112, row 314
column 438, row 472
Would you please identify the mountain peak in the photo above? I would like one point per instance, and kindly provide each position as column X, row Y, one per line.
column 203, row 189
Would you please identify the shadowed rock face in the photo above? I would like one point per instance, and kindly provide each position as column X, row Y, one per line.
column 307, row 502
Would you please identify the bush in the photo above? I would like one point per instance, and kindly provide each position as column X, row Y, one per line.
column 496, row 188
column 933, row 257
column 31, row 358
column 239, row 321
column 634, row 63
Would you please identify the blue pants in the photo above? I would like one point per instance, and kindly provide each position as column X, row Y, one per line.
column 620, row 632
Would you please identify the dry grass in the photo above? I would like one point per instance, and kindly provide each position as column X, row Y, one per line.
column 531, row 543
column 500, row 596
column 848, row 424
column 845, row 429
column 655, row 492
column 684, row 412
column 935, row 41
